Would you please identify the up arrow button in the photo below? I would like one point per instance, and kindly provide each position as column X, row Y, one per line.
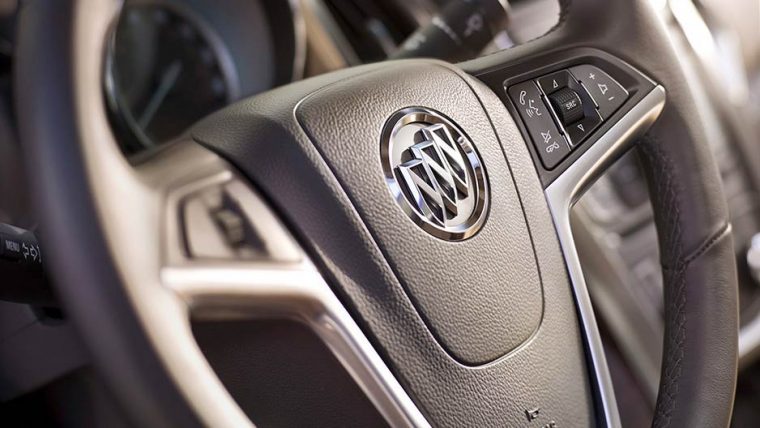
column 556, row 81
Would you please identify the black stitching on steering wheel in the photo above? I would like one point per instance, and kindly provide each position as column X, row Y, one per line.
column 665, row 195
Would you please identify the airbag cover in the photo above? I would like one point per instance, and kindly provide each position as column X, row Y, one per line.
column 481, row 297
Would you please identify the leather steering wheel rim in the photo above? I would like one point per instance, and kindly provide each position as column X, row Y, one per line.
column 692, row 220
column 59, row 71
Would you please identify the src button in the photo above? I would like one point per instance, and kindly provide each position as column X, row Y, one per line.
column 568, row 106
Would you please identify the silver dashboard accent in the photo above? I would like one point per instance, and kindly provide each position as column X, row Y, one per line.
column 753, row 257
column 299, row 33
column 434, row 173
column 749, row 342
column 749, row 334
column 717, row 48
column 562, row 194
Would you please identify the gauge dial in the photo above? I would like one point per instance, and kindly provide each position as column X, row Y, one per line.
column 165, row 71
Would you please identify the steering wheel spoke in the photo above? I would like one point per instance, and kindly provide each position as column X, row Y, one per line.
column 226, row 256
column 563, row 192
column 296, row 292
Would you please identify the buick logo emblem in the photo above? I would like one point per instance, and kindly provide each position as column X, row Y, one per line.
column 434, row 173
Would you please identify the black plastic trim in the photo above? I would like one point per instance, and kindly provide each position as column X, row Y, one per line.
column 501, row 78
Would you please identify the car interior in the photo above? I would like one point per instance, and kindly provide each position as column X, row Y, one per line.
column 359, row 213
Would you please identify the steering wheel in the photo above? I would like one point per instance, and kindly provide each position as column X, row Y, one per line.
column 406, row 214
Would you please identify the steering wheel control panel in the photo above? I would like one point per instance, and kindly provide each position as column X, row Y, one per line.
column 561, row 109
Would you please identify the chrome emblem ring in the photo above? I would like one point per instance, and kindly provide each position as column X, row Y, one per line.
column 434, row 173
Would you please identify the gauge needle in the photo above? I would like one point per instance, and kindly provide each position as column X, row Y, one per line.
column 168, row 79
